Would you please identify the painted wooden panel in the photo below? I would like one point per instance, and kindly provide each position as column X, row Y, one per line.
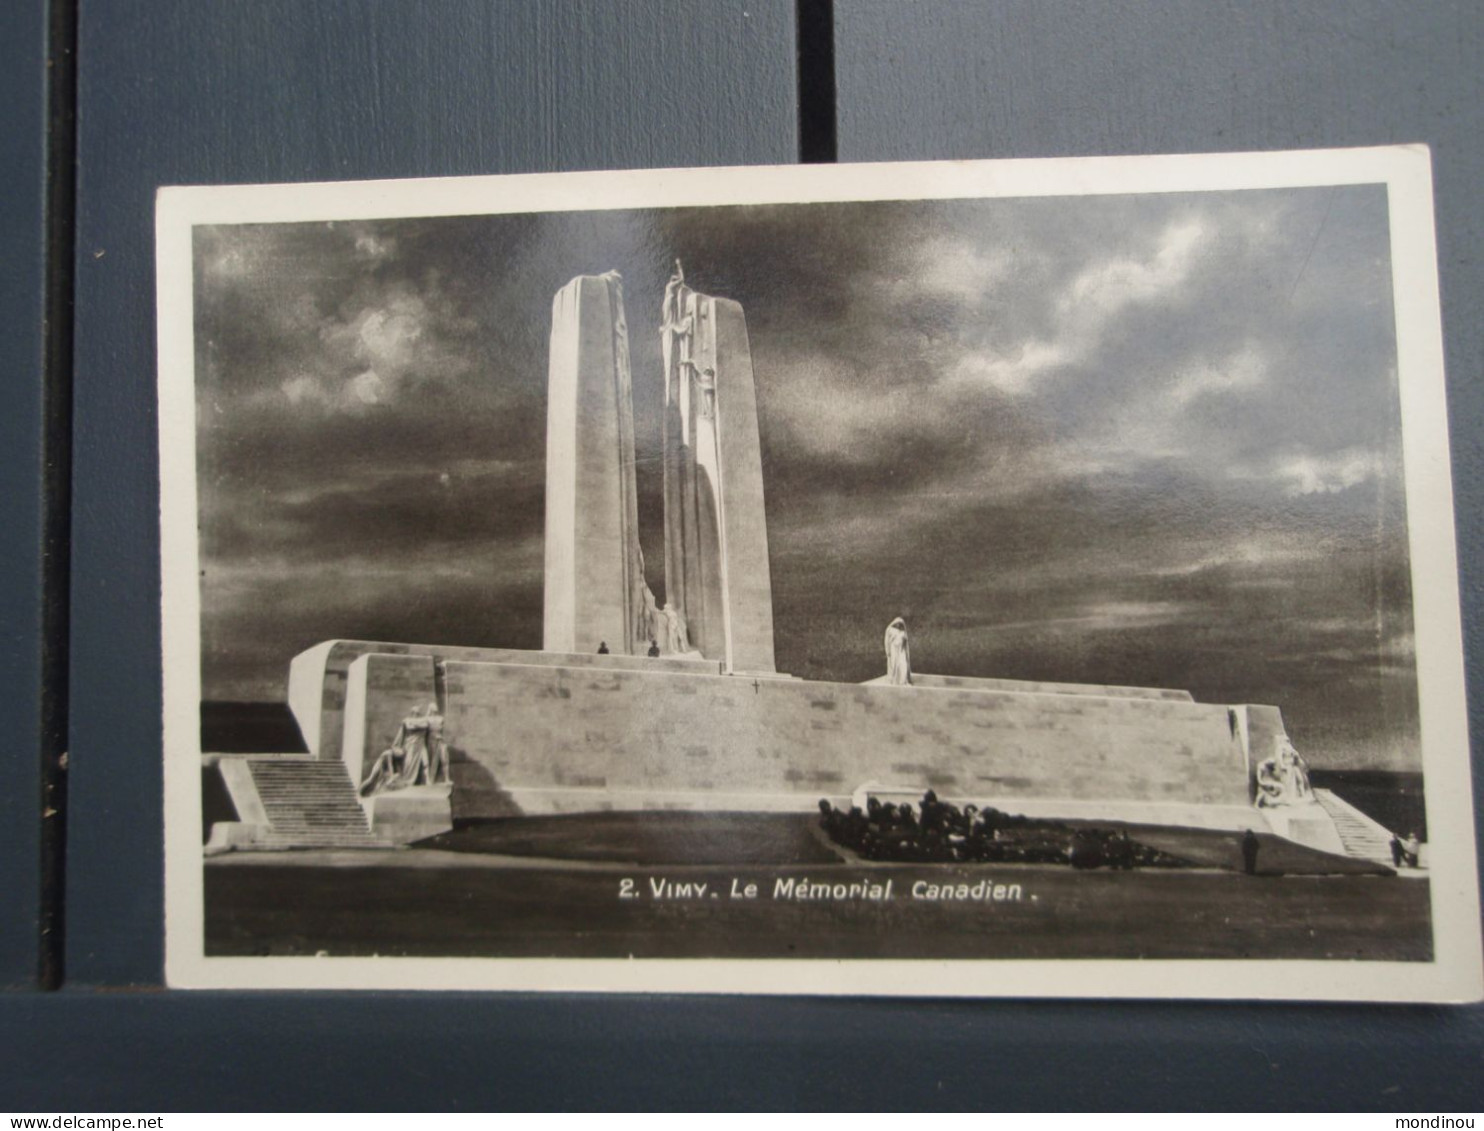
column 22, row 189
column 200, row 92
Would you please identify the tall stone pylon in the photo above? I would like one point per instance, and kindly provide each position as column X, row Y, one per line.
column 595, row 590
column 716, row 534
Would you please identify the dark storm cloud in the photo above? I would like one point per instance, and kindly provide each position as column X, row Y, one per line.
column 1123, row 439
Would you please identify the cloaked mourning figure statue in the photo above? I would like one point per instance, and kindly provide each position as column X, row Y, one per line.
column 898, row 653
column 417, row 756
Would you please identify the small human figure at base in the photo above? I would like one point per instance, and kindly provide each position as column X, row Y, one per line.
column 1412, row 850
column 654, row 649
column 1249, row 852
column 602, row 647
column 1396, row 851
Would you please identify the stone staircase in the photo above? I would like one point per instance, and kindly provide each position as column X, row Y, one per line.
column 1362, row 837
column 310, row 804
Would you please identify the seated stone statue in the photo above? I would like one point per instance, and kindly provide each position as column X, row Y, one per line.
column 405, row 762
column 1270, row 791
column 1283, row 779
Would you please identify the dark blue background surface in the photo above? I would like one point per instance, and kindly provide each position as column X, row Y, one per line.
column 185, row 91
column 22, row 252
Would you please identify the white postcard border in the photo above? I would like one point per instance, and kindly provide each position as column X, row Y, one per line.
column 1455, row 974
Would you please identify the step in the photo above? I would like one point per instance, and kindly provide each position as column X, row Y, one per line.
column 311, row 804
column 1362, row 837
column 311, row 841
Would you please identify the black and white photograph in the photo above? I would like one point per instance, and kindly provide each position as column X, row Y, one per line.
column 1030, row 578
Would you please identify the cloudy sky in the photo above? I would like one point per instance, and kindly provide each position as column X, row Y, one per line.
column 1147, row 440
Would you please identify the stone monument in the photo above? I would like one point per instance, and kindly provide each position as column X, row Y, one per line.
column 595, row 590
column 634, row 704
column 717, row 576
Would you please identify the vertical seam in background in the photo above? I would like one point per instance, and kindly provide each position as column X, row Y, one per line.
column 814, row 27
column 56, row 477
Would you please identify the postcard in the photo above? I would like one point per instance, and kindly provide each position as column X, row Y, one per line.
column 1027, row 578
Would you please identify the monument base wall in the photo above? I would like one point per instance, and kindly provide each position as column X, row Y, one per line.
column 319, row 678
column 557, row 738
column 981, row 683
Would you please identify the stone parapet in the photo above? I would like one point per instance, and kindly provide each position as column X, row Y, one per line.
column 622, row 736
column 318, row 677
